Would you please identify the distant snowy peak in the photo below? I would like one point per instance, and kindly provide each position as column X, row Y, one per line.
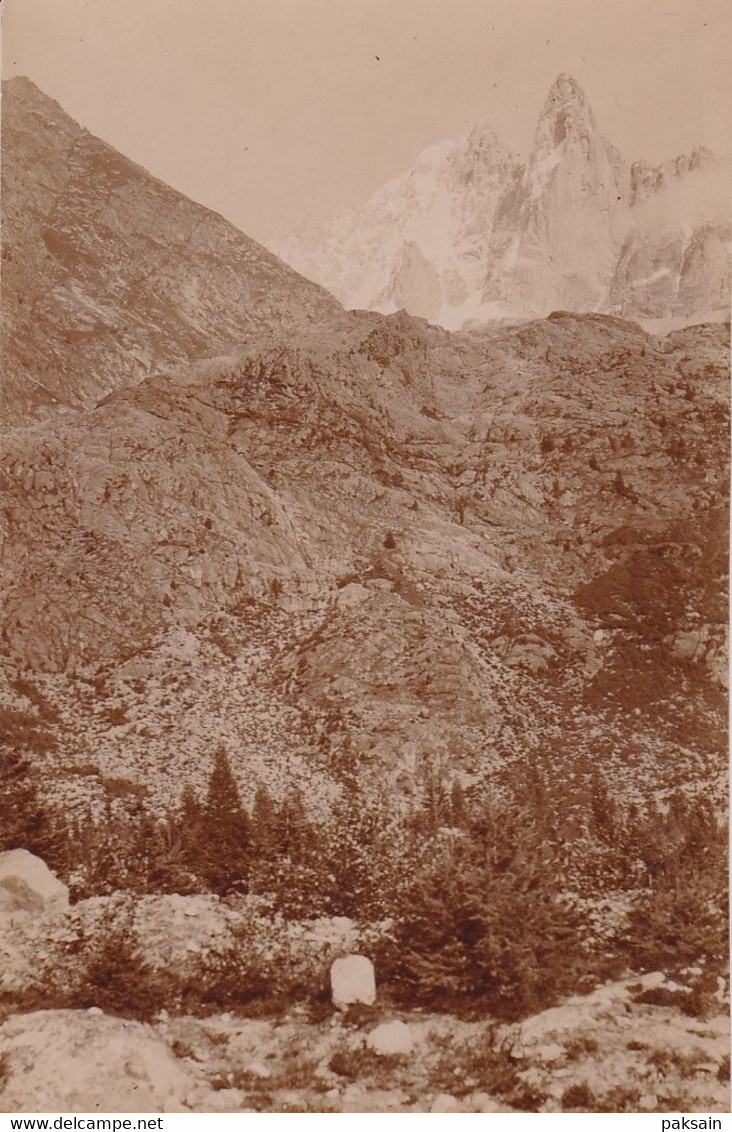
column 479, row 152
column 558, row 240
column 472, row 232
column 566, row 118
column 647, row 180
column 567, row 137
column 421, row 240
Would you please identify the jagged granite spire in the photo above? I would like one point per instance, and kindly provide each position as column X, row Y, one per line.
column 566, row 115
column 470, row 232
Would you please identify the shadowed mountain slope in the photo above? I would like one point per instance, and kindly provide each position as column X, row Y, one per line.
column 109, row 274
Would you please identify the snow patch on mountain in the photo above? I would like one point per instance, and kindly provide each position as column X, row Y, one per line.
column 472, row 233
column 421, row 241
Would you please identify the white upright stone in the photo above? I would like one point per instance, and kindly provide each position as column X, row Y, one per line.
column 352, row 980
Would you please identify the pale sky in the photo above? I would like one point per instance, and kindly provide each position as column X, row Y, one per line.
column 274, row 112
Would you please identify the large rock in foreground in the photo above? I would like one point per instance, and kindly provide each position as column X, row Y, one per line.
column 391, row 1039
column 71, row 1061
column 28, row 885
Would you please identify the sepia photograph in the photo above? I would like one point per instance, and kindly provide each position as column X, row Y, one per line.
column 364, row 538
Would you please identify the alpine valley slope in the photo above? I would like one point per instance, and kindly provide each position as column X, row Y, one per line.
column 348, row 543
column 472, row 232
column 385, row 566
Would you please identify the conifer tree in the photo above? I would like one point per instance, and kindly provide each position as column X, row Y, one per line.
column 224, row 840
column 458, row 805
column 190, row 807
column 294, row 828
column 264, row 822
column 24, row 821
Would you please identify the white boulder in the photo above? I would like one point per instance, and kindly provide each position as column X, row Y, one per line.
column 445, row 1102
column 483, row 1102
column 391, row 1038
column 28, row 885
column 71, row 1061
column 352, row 980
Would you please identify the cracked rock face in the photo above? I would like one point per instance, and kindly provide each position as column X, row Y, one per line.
column 381, row 538
column 671, row 270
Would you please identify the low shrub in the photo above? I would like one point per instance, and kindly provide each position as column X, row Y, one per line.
column 659, row 996
column 116, row 787
column 666, row 1061
column 46, row 712
column 620, row 1099
column 253, row 972
column 100, row 964
column 486, row 1064
column 114, row 972
column 116, row 715
column 579, row 1098
column 355, row 1064
column 581, row 1046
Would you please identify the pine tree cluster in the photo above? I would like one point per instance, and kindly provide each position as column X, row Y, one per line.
column 482, row 891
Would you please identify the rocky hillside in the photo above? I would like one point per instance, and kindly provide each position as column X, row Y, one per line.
column 109, row 275
column 388, row 541
column 473, row 232
column 341, row 538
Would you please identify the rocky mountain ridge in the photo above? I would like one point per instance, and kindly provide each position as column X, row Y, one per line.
column 193, row 541
column 472, row 232
column 400, row 540
column 110, row 275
